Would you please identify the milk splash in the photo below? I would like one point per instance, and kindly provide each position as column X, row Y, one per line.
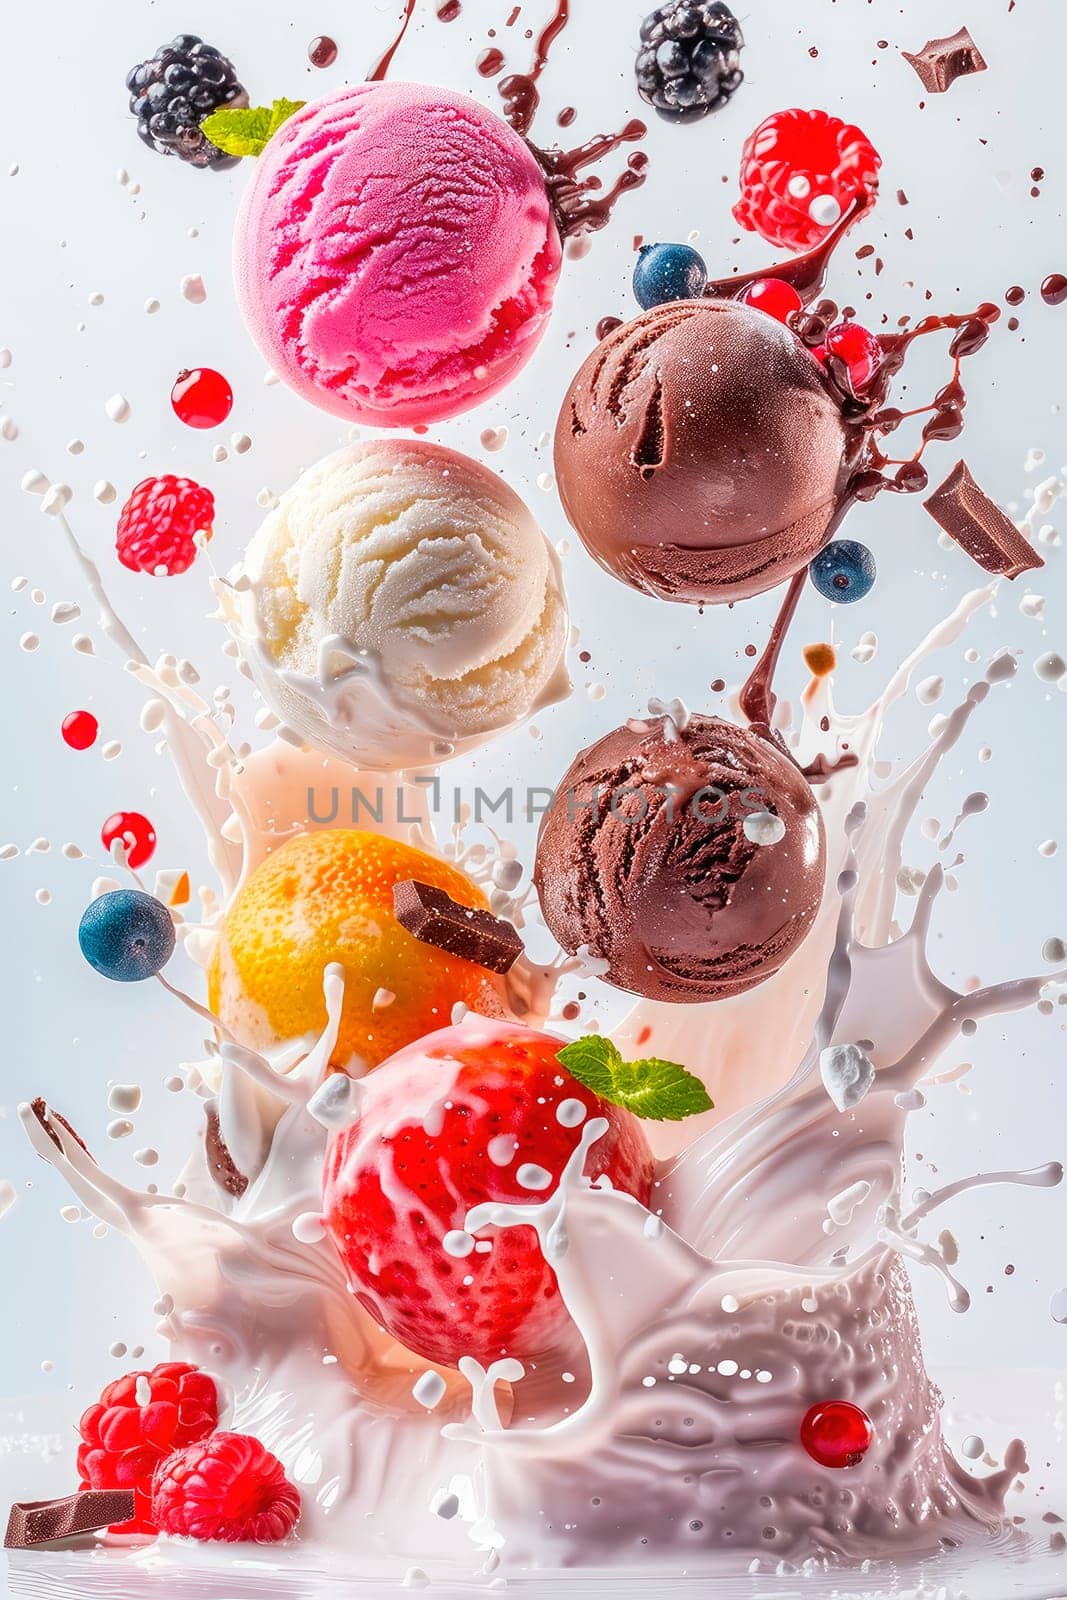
column 709, row 1325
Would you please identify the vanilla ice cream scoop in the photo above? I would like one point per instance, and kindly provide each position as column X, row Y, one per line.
column 399, row 606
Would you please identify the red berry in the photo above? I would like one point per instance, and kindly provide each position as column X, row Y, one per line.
column 778, row 298
column 138, row 1421
column 228, row 1487
column 136, row 834
column 201, row 398
column 836, row 1433
column 465, row 1116
column 159, row 522
column 79, row 729
column 797, row 170
column 860, row 352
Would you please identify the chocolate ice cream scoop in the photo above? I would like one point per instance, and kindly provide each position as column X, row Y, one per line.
column 691, row 859
column 702, row 453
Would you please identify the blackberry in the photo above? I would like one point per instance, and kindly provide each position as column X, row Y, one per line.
column 690, row 59
column 170, row 96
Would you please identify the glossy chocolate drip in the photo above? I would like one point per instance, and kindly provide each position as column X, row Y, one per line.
column 807, row 273
column 519, row 90
column 377, row 75
column 582, row 204
column 758, row 700
column 866, row 460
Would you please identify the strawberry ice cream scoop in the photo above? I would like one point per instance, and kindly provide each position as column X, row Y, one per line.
column 396, row 254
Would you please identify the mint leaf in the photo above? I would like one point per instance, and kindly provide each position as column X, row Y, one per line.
column 659, row 1091
column 246, row 130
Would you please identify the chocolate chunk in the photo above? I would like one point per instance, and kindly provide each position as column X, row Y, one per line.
column 50, row 1120
column 220, row 1163
column 941, row 61
column 35, row 1522
column 434, row 917
column 979, row 527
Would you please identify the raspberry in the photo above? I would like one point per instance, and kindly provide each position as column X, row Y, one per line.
column 138, row 1421
column 228, row 1487
column 157, row 524
column 800, row 172
column 460, row 1118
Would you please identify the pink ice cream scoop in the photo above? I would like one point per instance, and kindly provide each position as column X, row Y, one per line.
column 396, row 254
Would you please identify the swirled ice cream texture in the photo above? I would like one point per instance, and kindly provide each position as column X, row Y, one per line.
column 395, row 255
column 399, row 605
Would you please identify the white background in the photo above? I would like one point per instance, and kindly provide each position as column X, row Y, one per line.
column 68, row 228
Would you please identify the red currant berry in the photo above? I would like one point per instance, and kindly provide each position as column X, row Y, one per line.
column 836, row 1434
column 201, row 398
column 859, row 350
column 133, row 831
column 773, row 295
column 79, row 730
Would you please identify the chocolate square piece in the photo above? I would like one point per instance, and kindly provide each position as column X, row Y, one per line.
column 35, row 1522
column 941, row 61
column 979, row 527
column 434, row 917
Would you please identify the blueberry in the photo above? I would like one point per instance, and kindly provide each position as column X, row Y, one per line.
column 668, row 272
column 126, row 935
column 844, row 571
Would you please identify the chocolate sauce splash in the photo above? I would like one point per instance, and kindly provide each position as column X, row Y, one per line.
column 519, row 90
column 582, row 204
column 867, row 469
column 807, row 274
column 758, row 699
column 378, row 73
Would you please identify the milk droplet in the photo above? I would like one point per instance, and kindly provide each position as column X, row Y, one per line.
column 104, row 492
column 117, row 408
column 309, row 1228
column 531, row 1176
column 502, row 1150
column 56, row 499
column 824, row 211
column 570, row 1113
column 124, row 1097
column 1050, row 668
column 429, row 1390
column 193, row 290
column 763, row 828
column 457, row 1243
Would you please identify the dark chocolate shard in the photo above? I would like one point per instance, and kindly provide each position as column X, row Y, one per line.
column 37, row 1522
column 979, row 527
column 435, row 918
column 220, row 1163
column 941, row 61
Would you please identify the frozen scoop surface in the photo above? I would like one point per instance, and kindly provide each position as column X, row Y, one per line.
column 395, row 254
column 644, row 859
column 700, row 453
column 400, row 605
